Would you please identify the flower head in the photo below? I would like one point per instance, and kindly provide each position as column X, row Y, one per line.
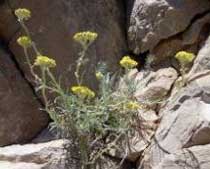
column 83, row 92
column 24, row 41
column 132, row 105
column 45, row 61
column 85, row 38
column 128, row 63
column 184, row 57
column 23, row 13
column 99, row 75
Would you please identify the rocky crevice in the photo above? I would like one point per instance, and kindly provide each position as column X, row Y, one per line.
column 193, row 21
column 160, row 28
column 190, row 46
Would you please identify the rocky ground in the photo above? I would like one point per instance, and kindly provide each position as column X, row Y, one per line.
column 151, row 30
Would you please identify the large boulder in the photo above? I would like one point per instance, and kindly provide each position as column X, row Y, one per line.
column 21, row 117
column 166, row 26
column 54, row 23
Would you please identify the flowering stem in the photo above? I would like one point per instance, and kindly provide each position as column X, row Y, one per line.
column 183, row 72
column 58, row 87
column 84, row 151
column 43, row 70
column 37, row 78
column 80, row 61
column 29, row 35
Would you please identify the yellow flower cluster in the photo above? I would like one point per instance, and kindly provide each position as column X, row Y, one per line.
column 83, row 92
column 99, row 75
column 132, row 105
column 23, row 13
column 85, row 38
column 128, row 63
column 24, row 41
column 185, row 57
column 45, row 61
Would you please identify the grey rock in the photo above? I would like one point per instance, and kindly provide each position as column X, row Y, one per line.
column 156, row 85
column 50, row 155
column 185, row 121
column 190, row 40
column 153, row 25
column 193, row 157
column 202, row 61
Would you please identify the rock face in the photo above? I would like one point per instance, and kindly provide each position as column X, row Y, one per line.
column 167, row 26
column 21, row 118
column 194, row 157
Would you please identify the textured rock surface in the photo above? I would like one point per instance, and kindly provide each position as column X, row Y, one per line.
column 157, row 85
column 157, row 26
column 185, row 117
column 54, row 23
column 185, row 121
column 194, row 157
column 48, row 155
column 20, row 117
column 202, row 62
column 8, row 23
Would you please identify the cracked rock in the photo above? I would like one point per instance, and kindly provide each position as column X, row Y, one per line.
column 194, row 157
column 155, row 26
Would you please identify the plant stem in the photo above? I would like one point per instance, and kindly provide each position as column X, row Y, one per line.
column 183, row 73
column 43, row 71
column 37, row 78
column 29, row 35
column 80, row 62
column 57, row 86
